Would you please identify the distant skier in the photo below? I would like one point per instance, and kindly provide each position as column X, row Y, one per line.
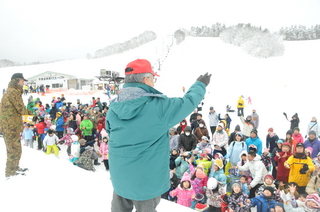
column 183, row 89
column 228, row 109
column 240, row 106
column 249, row 100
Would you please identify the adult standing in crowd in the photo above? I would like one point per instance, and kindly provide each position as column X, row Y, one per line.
column 255, row 140
column 193, row 116
column 257, row 170
column 313, row 125
column 213, row 120
column 301, row 166
column 240, row 106
column 140, row 104
column 271, row 140
column 247, row 126
column 11, row 110
column 314, row 143
column 255, row 118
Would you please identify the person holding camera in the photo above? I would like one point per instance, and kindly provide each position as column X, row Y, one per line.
column 300, row 167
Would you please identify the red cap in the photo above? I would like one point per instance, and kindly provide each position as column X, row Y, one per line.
column 139, row 66
column 270, row 129
column 286, row 144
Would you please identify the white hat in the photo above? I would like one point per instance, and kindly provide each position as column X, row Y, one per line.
column 212, row 183
column 74, row 138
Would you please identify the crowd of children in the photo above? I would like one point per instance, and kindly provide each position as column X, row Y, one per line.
column 81, row 127
column 208, row 172
column 216, row 175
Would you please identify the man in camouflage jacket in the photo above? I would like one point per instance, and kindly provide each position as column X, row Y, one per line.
column 11, row 110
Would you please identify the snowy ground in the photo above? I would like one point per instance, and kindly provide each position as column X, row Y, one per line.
column 276, row 85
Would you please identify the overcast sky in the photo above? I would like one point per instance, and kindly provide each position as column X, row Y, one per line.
column 41, row 30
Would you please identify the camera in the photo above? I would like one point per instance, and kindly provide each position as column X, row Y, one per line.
column 304, row 169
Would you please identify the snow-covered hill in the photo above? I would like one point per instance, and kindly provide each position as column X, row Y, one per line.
column 276, row 85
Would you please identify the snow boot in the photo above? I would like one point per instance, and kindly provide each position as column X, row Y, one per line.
column 22, row 170
column 96, row 162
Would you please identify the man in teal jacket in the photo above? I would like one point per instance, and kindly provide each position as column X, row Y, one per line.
column 138, row 124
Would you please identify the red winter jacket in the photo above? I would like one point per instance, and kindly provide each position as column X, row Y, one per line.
column 40, row 127
column 282, row 173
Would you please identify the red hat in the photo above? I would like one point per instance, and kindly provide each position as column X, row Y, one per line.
column 139, row 66
column 286, row 144
column 270, row 129
column 268, row 176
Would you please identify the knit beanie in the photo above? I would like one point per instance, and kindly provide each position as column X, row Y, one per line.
column 314, row 198
column 268, row 176
column 269, row 188
column 237, row 128
column 219, row 163
column 289, row 132
column 313, row 132
column 200, row 174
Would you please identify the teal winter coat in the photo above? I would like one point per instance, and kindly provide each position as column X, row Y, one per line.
column 138, row 124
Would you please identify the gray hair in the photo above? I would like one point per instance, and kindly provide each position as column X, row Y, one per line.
column 136, row 77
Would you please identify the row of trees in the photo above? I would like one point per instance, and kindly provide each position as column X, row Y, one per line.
column 300, row 32
column 254, row 40
column 118, row 48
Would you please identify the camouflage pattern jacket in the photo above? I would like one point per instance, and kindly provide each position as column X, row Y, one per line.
column 12, row 108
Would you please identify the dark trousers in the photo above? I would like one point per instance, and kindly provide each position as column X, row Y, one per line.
column 106, row 164
column 213, row 209
column 69, row 150
column 213, row 129
column 253, row 191
column 60, row 134
column 39, row 141
column 121, row 204
column 88, row 138
column 240, row 112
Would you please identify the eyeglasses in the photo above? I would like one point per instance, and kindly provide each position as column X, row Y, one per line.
column 154, row 79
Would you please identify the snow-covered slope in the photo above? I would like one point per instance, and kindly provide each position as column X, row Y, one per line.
column 276, row 85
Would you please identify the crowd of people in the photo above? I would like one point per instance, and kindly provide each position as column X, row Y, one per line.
column 209, row 167
column 79, row 126
column 215, row 170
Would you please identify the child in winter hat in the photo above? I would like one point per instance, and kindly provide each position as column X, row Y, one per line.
column 238, row 200
column 313, row 201
column 266, row 159
column 184, row 191
column 74, row 149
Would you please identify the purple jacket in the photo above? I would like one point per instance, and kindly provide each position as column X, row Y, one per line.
column 315, row 145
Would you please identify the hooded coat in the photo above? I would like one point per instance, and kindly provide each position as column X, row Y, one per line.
column 235, row 149
column 138, row 124
column 257, row 170
column 185, row 196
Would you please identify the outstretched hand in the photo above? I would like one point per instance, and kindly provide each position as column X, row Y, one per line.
column 205, row 78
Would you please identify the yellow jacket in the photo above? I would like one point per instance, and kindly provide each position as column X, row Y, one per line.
column 240, row 103
column 296, row 165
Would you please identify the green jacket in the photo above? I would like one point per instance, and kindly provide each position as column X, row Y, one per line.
column 88, row 127
column 138, row 124
column 11, row 109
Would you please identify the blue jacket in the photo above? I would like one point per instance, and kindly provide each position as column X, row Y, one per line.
column 138, row 124
column 27, row 134
column 255, row 141
column 219, row 175
column 262, row 204
column 59, row 124
column 315, row 147
column 234, row 150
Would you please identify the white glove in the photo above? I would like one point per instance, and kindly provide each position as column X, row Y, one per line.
column 283, row 196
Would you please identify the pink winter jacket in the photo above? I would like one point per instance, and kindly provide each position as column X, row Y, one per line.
column 104, row 150
column 185, row 196
column 67, row 139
